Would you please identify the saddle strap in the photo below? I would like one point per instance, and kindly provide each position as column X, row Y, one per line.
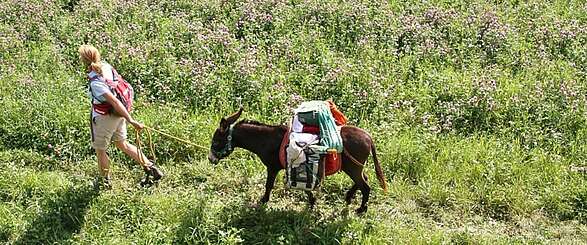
column 353, row 159
column 284, row 142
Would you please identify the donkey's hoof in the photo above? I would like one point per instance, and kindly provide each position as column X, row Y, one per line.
column 258, row 205
column 350, row 195
column 361, row 210
column 348, row 200
column 263, row 201
column 312, row 201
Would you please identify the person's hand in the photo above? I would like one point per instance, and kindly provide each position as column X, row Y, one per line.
column 138, row 126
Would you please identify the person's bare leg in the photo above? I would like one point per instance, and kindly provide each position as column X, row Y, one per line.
column 104, row 167
column 132, row 151
column 103, row 163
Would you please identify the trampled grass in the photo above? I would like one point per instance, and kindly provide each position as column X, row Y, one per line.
column 478, row 111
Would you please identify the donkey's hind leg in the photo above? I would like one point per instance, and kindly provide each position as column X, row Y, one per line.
column 360, row 180
column 365, row 191
column 350, row 194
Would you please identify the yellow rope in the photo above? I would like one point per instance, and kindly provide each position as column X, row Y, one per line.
column 151, row 145
column 178, row 139
column 139, row 143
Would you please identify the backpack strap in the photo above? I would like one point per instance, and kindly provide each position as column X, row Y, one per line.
column 114, row 74
column 90, row 80
column 102, row 107
column 92, row 105
column 95, row 78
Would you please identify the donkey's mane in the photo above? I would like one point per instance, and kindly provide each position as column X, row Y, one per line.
column 257, row 123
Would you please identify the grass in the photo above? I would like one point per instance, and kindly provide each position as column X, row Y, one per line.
column 201, row 203
column 478, row 111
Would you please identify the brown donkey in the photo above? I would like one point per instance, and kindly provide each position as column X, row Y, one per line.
column 265, row 140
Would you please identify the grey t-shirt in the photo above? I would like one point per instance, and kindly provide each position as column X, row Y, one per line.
column 98, row 87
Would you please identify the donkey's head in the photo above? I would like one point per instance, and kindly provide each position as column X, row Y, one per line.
column 222, row 144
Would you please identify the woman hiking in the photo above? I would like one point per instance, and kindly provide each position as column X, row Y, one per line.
column 111, row 100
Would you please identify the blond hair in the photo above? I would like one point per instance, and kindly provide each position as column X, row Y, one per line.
column 90, row 57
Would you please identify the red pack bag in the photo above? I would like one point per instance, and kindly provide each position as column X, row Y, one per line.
column 120, row 88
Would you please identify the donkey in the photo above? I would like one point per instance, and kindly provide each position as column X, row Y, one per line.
column 265, row 140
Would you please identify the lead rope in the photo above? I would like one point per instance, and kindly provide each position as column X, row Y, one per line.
column 176, row 138
column 139, row 146
column 152, row 146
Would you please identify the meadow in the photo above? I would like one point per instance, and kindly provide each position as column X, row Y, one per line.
column 478, row 111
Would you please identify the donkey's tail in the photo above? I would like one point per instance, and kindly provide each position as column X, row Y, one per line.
column 378, row 170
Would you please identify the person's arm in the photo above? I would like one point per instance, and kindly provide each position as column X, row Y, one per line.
column 119, row 107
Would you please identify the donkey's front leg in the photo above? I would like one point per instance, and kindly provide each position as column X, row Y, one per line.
column 271, row 174
column 311, row 199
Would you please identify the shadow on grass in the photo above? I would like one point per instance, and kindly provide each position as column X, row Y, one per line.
column 262, row 226
column 62, row 217
column 269, row 226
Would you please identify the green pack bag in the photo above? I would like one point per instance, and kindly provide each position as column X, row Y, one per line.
column 318, row 113
column 329, row 137
column 308, row 112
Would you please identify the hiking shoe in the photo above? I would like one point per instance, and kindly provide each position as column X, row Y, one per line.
column 107, row 183
column 146, row 182
column 156, row 173
column 103, row 183
column 152, row 175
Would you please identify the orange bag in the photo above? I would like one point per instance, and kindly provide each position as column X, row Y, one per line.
column 339, row 118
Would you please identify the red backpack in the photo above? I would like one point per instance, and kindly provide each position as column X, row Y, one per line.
column 120, row 88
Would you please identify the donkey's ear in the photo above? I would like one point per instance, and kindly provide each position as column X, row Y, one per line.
column 232, row 118
column 223, row 124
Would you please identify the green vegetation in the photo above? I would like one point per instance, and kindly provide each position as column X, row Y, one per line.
column 478, row 111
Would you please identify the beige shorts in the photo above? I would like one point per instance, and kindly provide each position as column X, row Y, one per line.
column 107, row 128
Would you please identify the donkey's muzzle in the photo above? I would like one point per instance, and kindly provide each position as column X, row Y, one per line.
column 212, row 158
